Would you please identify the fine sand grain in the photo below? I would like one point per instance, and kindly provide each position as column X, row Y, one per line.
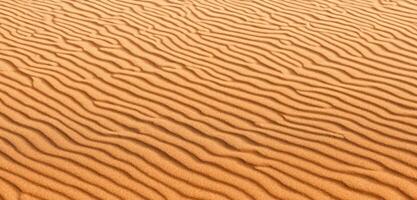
column 208, row 99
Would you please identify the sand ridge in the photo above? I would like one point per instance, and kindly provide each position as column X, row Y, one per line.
column 208, row 99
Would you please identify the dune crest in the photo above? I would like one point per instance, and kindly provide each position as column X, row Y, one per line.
column 208, row 99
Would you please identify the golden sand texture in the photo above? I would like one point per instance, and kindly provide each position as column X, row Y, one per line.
column 208, row 99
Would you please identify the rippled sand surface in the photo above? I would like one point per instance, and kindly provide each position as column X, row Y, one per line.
column 208, row 99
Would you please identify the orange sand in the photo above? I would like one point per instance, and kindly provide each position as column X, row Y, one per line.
column 208, row 99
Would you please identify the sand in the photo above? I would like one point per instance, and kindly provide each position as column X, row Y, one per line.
column 208, row 99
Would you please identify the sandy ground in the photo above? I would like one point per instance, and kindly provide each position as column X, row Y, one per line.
column 208, row 99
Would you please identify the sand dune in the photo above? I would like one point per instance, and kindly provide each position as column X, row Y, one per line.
column 208, row 99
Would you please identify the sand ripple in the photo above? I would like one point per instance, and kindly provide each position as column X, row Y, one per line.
column 208, row 99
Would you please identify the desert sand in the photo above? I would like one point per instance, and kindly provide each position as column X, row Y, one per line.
column 208, row 99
